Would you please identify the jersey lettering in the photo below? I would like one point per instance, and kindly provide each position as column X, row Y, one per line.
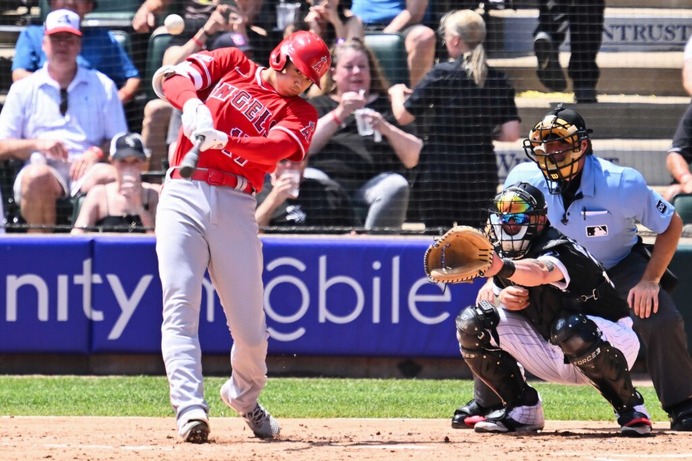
column 222, row 92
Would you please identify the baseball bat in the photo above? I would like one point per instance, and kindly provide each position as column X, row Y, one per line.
column 189, row 163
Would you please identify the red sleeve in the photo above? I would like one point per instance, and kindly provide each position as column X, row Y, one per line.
column 199, row 73
column 299, row 123
column 178, row 89
column 277, row 146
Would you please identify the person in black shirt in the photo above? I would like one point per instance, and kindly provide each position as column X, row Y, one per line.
column 373, row 168
column 463, row 106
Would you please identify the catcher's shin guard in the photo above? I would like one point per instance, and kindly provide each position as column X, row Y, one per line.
column 497, row 368
column 604, row 365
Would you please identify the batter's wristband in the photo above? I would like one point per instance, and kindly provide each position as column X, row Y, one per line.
column 508, row 268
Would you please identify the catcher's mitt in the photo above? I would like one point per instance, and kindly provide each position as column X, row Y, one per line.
column 459, row 256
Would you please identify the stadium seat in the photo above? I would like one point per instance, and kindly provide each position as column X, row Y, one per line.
column 157, row 47
column 390, row 51
column 683, row 205
column 124, row 39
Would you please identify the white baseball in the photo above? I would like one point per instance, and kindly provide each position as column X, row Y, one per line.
column 174, row 24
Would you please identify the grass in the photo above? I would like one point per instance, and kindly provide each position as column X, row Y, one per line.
column 287, row 398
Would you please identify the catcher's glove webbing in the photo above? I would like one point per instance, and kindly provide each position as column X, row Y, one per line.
column 459, row 256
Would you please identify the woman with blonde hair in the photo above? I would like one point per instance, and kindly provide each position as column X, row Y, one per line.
column 371, row 162
column 464, row 105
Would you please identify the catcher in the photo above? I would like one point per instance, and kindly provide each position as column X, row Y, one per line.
column 558, row 315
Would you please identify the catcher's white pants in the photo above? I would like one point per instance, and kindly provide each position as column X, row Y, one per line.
column 546, row 361
column 200, row 227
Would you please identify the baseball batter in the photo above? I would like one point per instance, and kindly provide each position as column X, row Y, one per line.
column 559, row 316
column 249, row 118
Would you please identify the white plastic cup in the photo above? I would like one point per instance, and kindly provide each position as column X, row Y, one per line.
column 286, row 14
column 364, row 128
column 294, row 176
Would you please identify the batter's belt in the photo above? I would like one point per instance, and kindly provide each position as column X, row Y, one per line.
column 218, row 178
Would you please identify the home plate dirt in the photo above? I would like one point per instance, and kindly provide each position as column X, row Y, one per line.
column 110, row 438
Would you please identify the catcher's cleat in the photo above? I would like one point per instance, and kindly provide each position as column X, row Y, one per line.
column 466, row 416
column 635, row 423
column 518, row 419
column 195, row 431
column 549, row 70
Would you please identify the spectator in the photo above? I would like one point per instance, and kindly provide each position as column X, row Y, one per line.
column 584, row 20
column 215, row 26
column 598, row 204
column 680, row 153
column 100, row 51
column 126, row 204
column 289, row 199
column 46, row 119
column 468, row 105
column 371, row 170
column 333, row 22
column 405, row 17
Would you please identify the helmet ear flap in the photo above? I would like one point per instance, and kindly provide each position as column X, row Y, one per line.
column 278, row 59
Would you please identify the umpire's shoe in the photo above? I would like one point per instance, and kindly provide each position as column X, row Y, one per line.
column 527, row 418
column 681, row 417
column 549, row 70
column 466, row 416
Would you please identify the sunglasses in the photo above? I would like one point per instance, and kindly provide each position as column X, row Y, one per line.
column 515, row 219
column 63, row 101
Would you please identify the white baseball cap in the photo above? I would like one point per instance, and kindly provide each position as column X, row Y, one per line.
column 62, row 21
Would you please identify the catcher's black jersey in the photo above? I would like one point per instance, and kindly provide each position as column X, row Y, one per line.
column 589, row 291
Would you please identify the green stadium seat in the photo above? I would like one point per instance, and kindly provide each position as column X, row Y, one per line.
column 683, row 205
column 391, row 52
column 158, row 43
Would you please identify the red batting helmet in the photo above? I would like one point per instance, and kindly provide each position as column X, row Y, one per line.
column 307, row 51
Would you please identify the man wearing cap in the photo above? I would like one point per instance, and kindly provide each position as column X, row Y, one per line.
column 127, row 204
column 100, row 51
column 57, row 120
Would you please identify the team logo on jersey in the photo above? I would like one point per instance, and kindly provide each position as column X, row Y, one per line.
column 597, row 231
column 661, row 207
column 308, row 131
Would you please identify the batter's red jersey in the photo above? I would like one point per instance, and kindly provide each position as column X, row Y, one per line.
column 244, row 106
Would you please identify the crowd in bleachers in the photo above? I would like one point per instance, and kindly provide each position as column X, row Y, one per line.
column 416, row 79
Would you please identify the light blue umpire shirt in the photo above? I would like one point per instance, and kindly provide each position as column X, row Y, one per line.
column 610, row 201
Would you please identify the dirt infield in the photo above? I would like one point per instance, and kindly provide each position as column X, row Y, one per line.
column 104, row 438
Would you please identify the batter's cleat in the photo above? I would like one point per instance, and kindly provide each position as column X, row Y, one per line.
column 549, row 70
column 195, row 431
column 518, row 419
column 466, row 416
column 263, row 425
column 681, row 418
column 635, row 423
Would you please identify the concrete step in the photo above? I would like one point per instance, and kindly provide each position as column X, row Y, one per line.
column 640, row 73
column 647, row 156
column 614, row 116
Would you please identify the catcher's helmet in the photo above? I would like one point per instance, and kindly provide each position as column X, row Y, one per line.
column 307, row 51
column 518, row 214
column 554, row 144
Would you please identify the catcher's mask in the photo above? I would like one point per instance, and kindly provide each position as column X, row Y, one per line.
column 555, row 144
column 518, row 214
